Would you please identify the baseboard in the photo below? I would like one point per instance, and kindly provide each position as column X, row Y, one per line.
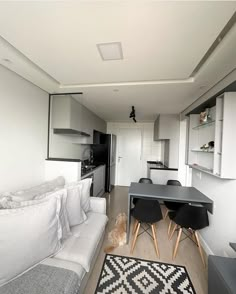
column 205, row 246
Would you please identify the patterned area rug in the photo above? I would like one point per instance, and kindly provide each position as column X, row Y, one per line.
column 125, row 275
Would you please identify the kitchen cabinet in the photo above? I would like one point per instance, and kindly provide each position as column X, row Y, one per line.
column 166, row 126
column 162, row 176
column 219, row 161
column 69, row 117
column 166, row 129
column 99, row 181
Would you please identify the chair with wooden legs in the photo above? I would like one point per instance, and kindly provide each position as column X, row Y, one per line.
column 191, row 218
column 149, row 212
column 143, row 181
column 170, row 205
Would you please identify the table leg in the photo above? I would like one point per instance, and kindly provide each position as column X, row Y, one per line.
column 128, row 218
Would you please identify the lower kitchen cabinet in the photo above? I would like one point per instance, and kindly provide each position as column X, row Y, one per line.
column 162, row 176
column 99, row 181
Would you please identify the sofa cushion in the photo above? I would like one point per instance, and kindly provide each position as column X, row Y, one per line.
column 81, row 246
column 27, row 236
column 76, row 214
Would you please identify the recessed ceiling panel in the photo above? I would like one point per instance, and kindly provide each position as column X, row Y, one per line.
column 162, row 40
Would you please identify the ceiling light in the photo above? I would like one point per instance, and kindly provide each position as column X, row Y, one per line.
column 110, row 51
column 132, row 114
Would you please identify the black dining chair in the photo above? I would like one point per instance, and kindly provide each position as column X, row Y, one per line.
column 170, row 205
column 192, row 218
column 146, row 211
column 143, row 181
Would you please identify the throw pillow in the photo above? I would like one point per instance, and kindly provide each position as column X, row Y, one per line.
column 31, row 193
column 76, row 214
column 28, row 236
column 85, row 194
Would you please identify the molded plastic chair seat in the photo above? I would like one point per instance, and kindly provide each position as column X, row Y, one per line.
column 146, row 211
column 192, row 218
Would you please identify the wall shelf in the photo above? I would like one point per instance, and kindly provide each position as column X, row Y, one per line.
column 223, row 160
column 206, row 124
column 205, row 151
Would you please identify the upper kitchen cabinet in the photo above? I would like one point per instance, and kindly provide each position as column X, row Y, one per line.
column 166, row 129
column 66, row 116
column 212, row 139
column 69, row 117
column 166, row 126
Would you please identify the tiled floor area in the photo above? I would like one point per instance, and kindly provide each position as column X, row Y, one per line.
column 187, row 255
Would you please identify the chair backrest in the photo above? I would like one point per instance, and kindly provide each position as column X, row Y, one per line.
column 173, row 183
column 194, row 217
column 145, row 181
column 147, row 210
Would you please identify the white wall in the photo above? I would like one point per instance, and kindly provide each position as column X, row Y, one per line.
column 23, row 129
column 151, row 150
column 222, row 229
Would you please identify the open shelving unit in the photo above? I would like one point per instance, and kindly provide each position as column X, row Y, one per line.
column 220, row 161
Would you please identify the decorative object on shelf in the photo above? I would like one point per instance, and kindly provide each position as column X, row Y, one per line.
column 208, row 146
column 132, row 114
column 205, row 116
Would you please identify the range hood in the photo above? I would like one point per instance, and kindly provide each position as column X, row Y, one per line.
column 70, row 132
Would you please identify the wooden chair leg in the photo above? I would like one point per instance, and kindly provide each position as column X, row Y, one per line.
column 177, row 243
column 135, row 226
column 166, row 213
column 155, row 239
column 169, row 228
column 200, row 248
column 172, row 233
column 135, row 238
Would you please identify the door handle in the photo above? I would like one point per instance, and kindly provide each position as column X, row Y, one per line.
column 119, row 157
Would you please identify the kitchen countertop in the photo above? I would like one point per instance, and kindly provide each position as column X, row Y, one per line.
column 63, row 159
column 90, row 171
column 159, row 166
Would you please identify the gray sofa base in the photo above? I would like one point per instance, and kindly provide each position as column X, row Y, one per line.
column 221, row 275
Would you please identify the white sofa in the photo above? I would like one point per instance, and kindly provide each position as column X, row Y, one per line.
column 81, row 248
column 85, row 242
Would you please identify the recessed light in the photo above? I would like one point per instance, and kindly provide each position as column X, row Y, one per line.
column 110, row 51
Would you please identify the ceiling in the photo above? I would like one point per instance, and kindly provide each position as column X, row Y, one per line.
column 53, row 45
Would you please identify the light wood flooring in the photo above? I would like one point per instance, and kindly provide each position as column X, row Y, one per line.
column 188, row 254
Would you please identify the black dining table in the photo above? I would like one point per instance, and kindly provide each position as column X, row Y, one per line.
column 166, row 193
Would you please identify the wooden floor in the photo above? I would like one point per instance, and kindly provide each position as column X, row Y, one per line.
column 188, row 254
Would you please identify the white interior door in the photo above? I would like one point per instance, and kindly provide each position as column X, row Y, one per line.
column 129, row 156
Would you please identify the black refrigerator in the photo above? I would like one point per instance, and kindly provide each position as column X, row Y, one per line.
column 104, row 152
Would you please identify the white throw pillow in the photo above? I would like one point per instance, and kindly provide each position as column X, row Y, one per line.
column 62, row 194
column 76, row 214
column 31, row 193
column 28, row 235
column 85, row 194
column 6, row 202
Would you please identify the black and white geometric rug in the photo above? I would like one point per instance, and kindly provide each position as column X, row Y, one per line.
column 126, row 275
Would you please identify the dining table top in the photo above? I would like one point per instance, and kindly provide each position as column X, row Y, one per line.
column 170, row 193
